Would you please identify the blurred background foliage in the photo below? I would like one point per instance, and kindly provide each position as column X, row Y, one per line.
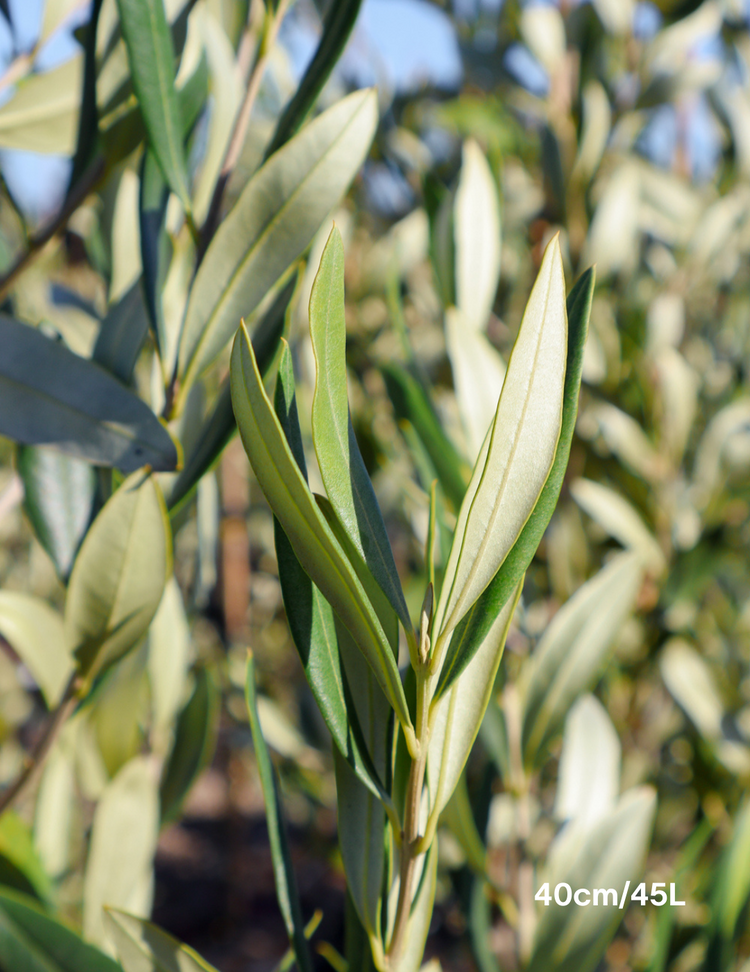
column 624, row 126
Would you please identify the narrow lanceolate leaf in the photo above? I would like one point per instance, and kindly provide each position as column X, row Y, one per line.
column 607, row 854
column 151, row 56
column 341, row 465
column 34, row 630
column 31, row 941
column 476, row 227
column 338, row 22
column 50, row 396
column 220, row 425
column 58, row 500
column 459, row 713
column 295, row 508
column 571, row 653
column 361, row 829
column 286, row 885
column 122, row 334
column 731, row 893
column 119, row 576
column 272, row 223
column 520, row 449
column 473, row 628
column 142, row 947
column 123, row 844
column 194, row 744
column 310, row 616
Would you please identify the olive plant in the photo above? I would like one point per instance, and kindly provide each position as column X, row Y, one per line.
column 402, row 738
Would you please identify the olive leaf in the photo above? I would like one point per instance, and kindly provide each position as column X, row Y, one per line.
column 119, row 576
column 270, row 226
column 313, row 541
column 472, row 629
column 342, row 468
column 519, row 451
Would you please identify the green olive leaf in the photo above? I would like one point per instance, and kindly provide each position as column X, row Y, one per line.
column 119, row 576
column 312, row 539
column 518, row 453
column 473, row 627
column 341, row 465
column 151, row 57
column 271, row 225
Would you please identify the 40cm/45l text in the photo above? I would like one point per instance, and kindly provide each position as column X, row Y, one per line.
column 564, row 895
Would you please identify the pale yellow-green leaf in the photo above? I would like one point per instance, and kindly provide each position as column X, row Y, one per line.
column 714, row 453
column 169, row 657
column 294, row 505
column 478, row 375
column 588, row 779
column 120, row 711
column 226, row 94
column 476, row 218
column 543, row 30
column 616, row 15
column 119, row 575
column 616, row 515
column 597, row 121
column 142, row 947
column 612, row 242
column 53, row 811
column 627, row 440
column 272, row 223
column 122, row 848
column 56, row 12
column 505, row 486
column 604, row 855
column 458, row 714
column 679, row 385
column 126, row 237
column 665, row 322
column 42, row 115
column 34, row 630
column 691, row 682
column 572, row 650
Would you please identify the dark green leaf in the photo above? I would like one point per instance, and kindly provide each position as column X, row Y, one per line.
column 314, row 543
column 59, row 496
column 122, row 334
column 286, row 885
column 220, row 425
column 30, row 941
column 88, row 120
column 411, row 404
column 156, row 248
column 50, row 396
column 338, row 22
column 341, row 465
column 472, row 629
column 194, row 744
column 152, row 60
column 310, row 616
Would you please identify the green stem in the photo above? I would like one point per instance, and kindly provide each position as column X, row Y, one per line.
column 411, row 843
